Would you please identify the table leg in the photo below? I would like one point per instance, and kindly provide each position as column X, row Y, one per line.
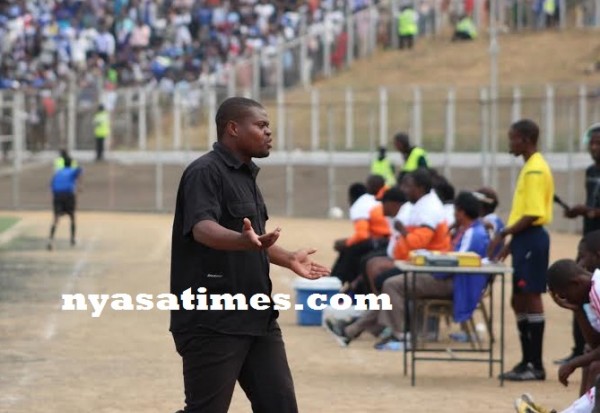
column 502, row 333
column 405, row 341
column 413, row 327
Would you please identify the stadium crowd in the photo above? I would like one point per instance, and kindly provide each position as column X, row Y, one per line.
column 127, row 42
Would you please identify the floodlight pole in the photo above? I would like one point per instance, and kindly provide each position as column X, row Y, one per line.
column 494, row 51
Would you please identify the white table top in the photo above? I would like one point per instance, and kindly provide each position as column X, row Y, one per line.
column 487, row 268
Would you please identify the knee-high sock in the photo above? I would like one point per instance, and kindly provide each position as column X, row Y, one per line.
column 536, row 334
column 523, row 327
column 52, row 231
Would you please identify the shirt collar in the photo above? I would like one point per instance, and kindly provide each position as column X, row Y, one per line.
column 232, row 161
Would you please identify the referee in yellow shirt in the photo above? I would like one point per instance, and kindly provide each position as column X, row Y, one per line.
column 529, row 247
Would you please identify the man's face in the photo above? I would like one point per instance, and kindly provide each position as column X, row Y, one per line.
column 459, row 216
column 254, row 133
column 516, row 143
column 594, row 147
column 391, row 208
column 587, row 259
column 412, row 191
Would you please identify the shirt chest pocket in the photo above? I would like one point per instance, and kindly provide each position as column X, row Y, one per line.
column 235, row 212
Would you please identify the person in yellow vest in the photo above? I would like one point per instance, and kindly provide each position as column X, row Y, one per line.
column 101, row 130
column 414, row 156
column 59, row 163
column 383, row 167
column 465, row 29
column 407, row 27
column 550, row 13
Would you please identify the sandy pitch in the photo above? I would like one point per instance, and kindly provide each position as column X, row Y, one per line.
column 55, row 361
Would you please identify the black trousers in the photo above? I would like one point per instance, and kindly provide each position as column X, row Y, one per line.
column 406, row 41
column 213, row 362
column 347, row 266
column 99, row 148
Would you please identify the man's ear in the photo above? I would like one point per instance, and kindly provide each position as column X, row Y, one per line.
column 232, row 128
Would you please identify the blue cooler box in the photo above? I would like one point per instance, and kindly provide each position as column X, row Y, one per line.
column 304, row 288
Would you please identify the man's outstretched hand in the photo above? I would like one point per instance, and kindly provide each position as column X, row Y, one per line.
column 305, row 267
column 263, row 241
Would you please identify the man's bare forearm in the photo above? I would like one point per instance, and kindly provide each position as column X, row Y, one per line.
column 215, row 236
column 279, row 256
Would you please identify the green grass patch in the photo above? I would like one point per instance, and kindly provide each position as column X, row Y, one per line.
column 7, row 222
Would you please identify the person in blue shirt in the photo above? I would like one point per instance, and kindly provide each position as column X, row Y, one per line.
column 64, row 185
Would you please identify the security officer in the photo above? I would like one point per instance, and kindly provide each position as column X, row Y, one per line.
column 407, row 27
column 384, row 168
column 414, row 156
column 465, row 29
column 101, row 130
column 59, row 163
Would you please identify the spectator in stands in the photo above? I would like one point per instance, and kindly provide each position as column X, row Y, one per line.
column 465, row 29
column 408, row 27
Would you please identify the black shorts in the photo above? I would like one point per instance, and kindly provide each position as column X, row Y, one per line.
column 64, row 203
column 530, row 251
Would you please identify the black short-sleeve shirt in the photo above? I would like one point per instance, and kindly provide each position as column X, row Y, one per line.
column 219, row 187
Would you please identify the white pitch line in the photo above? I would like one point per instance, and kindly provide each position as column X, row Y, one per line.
column 9, row 400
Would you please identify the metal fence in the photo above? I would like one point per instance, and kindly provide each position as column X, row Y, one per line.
column 325, row 140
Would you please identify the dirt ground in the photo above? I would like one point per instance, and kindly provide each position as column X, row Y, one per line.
column 60, row 361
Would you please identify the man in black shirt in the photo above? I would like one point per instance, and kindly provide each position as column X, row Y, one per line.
column 591, row 217
column 220, row 246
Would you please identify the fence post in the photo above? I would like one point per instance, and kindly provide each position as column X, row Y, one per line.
column 18, row 145
column 484, row 118
column 289, row 172
column 72, row 122
column 331, row 167
column 570, row 171
column 394, row 25
column 417, row 118
column 549, row 118
column 304, row 78
column 349, row 119
column 314, row 119
column 256, row 75
column 212, row 111
column 142, row 128
column 516, row 115
column 128, row 116
column 231, row 83
column 280, row 99
column 562, row 14
column 157, row 115
column 351, row 38
column 177, row 120
column 327, row 42
column 583, row 109
column 383, row 116
column 371, row 130
column 450, row 130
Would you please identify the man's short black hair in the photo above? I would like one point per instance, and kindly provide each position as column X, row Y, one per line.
column 356, row 190
column 233, row 109
column 394, row 194
column 468, row 203
column 402, row 137
column 527, row 129
column 422, row 178
column 591, row 241
column 562, row 272
column 445, row 191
